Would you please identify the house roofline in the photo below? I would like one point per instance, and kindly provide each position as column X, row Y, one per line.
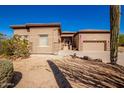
column 68, row 32
column 35, row 25
column 44, row 25
column 86, row 31
column 27, row 26
column 93, row 32
column 18, row 26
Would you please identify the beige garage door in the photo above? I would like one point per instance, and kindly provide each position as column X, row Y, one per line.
column 94, row 46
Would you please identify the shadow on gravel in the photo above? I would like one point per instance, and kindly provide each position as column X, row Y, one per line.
column 60, row 78
column 16, row 79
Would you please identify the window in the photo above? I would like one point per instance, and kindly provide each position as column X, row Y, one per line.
column 43, row 40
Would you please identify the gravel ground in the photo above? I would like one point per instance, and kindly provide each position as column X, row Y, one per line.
column 82, row 73
column 104, row 55
column 34, row 72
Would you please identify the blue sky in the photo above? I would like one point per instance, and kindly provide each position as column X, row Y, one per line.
column 72, row 18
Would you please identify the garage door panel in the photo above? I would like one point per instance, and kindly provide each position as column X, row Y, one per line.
column 93, row 46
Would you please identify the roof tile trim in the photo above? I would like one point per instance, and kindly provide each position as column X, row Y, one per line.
column 35, row 25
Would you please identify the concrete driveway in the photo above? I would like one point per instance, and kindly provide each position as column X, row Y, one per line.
column 104, row 55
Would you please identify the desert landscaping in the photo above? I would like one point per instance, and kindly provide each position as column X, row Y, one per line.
column 68, row 69
column 65, row 71
column 42, row 55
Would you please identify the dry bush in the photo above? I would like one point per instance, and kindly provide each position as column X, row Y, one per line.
column 15, row 48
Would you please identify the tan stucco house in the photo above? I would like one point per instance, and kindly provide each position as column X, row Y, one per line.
column 92, row 40
column 45, row 38
column 48, row 38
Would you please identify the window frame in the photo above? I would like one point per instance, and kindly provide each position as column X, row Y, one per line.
column 41, row 45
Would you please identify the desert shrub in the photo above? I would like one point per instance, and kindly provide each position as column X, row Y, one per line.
column 15, row 47
column 121, row 39
column 1, row 37
column 6, row 73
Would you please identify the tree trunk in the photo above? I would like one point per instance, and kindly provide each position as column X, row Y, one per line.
column 114, row 32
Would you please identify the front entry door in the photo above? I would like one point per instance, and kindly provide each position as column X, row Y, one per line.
column 67, row 44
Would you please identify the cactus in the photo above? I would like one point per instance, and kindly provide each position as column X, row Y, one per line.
column 6, row 73
column 114, row 32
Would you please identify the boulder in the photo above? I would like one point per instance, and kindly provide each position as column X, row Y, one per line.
column 98, row 60
column 91, row 59
column 86, row 58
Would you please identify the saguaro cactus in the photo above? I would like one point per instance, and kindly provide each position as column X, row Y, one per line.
column 114, row 32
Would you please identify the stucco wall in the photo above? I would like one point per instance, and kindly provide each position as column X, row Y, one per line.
column 33, row 37
column 76, row 41
column 21, row 31
column 95, row 36
column 66, row 35
column 56, row 40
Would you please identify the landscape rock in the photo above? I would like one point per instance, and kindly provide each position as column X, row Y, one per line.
column 91, row 59
column 86, row 58
column 98, row 60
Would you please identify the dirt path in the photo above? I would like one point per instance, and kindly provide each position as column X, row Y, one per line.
column 34, row 72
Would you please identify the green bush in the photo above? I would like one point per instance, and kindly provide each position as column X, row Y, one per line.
column 121, row 39
column 6, row 73
column 15, row 47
